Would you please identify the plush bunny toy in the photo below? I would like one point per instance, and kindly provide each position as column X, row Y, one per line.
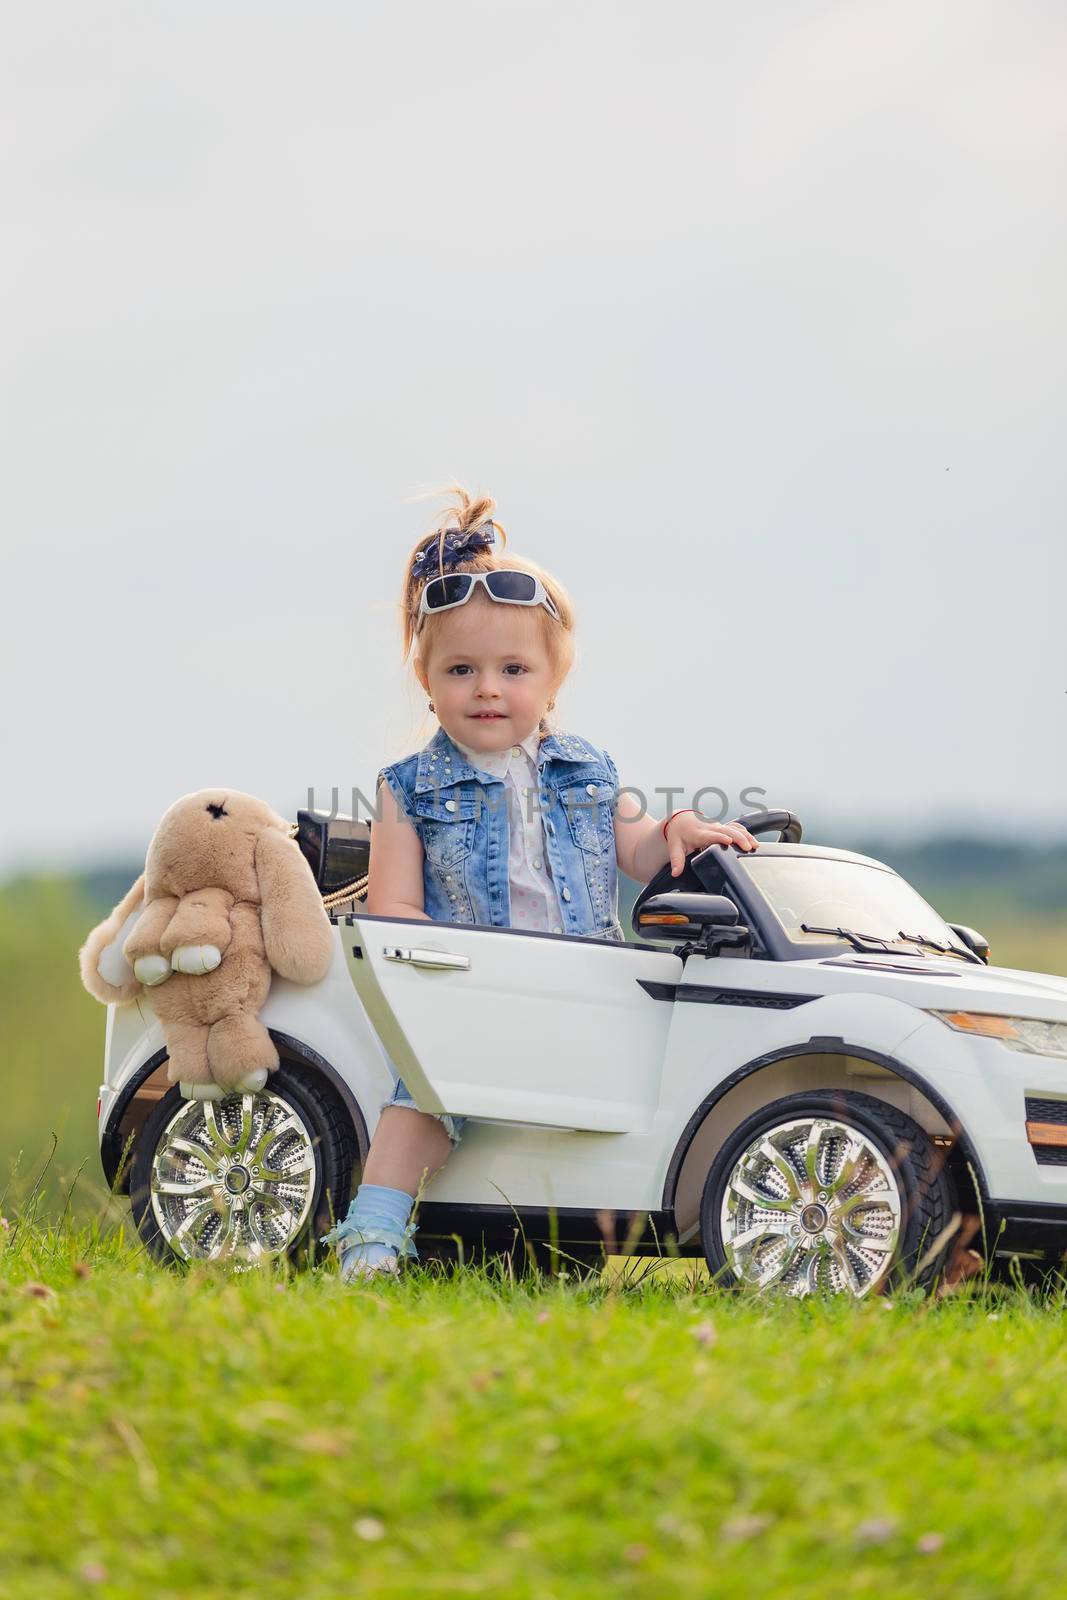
column 226, row 896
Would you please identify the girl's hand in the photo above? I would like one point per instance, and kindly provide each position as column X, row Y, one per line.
column 688, row 832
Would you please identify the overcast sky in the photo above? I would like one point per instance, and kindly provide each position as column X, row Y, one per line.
column 750, row 317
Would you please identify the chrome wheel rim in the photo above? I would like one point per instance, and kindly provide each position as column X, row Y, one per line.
column 233, row 1178
column 812, row 1206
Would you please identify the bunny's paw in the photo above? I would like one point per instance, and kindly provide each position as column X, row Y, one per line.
column 196, row 959
column 203, row 1091
column 252, row 1081
column 151, row 970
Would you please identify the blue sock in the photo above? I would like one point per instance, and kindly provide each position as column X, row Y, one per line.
column 376, row 1224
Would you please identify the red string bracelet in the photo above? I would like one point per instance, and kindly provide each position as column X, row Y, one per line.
column 671, row 818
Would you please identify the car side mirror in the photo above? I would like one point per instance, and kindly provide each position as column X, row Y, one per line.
column 974, row 940
column 708, row 921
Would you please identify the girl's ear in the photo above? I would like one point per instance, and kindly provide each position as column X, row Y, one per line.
column 105, row 972
column 420, row 672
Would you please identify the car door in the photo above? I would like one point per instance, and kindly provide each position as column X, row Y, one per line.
column 516, row 1026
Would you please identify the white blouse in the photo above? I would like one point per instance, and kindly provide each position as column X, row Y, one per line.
column 533, row 894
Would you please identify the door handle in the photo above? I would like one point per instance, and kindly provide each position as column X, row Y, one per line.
column 442, row 959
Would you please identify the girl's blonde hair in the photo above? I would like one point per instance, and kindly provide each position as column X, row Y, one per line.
column 463, row 513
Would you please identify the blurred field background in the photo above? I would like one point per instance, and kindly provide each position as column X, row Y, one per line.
column 53, row 1033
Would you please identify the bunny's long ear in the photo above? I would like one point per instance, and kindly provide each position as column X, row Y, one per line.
column 105, row 972
column 297, row 933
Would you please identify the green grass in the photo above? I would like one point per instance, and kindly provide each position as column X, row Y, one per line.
column 214, row 1433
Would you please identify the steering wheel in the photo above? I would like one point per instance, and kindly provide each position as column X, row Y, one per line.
column 784, row 823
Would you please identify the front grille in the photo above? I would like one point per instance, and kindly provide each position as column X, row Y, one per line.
column 1051, row 1155
column 1046, row 1110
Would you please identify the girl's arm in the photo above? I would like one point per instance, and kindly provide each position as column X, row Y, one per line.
column 641, row 849
column 639, row 843
column 396, row 856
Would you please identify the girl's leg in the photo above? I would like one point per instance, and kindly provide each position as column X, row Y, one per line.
column 408, row 1147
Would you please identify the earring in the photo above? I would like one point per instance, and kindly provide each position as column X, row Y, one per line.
column 430, row 704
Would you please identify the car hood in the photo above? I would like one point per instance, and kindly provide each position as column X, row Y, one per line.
column 950, row 985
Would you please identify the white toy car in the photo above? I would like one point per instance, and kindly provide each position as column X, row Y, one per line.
column 799, row 1070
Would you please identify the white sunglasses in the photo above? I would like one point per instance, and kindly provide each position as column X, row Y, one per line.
column 505, row 584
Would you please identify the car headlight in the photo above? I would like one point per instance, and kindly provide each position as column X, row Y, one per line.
column 1020, row 1033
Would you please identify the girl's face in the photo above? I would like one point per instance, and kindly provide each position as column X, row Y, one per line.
column 489, row 674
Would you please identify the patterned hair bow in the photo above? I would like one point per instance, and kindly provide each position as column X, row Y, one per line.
column 457, row 547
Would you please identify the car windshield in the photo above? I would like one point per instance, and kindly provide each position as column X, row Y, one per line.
column 807, row 892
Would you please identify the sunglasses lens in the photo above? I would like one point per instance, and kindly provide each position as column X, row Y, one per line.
column 511, row 585
column 446, row 591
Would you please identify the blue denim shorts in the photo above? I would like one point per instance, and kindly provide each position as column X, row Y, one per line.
column 401, row 1096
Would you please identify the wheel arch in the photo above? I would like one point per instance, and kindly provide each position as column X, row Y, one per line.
column 148, row 1083
column 818, row 1063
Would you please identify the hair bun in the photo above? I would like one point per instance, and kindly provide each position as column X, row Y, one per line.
column 468, row 510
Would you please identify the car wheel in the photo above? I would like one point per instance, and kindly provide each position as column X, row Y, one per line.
column 828, row 1192
column 246, row 1178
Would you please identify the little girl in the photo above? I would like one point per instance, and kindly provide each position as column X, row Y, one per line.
column 493, row 642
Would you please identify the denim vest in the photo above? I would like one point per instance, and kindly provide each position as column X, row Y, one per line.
column 460, row 814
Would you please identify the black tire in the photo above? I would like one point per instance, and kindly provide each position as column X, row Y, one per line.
column 924, row 1192
column 330, row 1137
